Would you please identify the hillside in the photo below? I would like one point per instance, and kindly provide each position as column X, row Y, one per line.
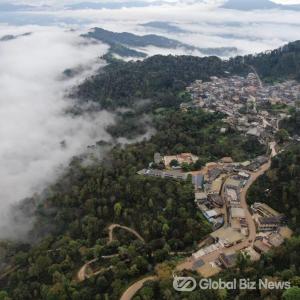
column 278, row 64
column 162, row 78
column 87, row 199
column 280, row 186
column 292, row 124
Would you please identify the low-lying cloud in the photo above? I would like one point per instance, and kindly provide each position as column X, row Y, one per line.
column 37, row 137
column 204, row 22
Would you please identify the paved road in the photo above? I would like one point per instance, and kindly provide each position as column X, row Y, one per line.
column 133, row 289
column 249, row 219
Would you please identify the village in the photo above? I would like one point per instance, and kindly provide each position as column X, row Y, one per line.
column 220, row 194
column 246, row 102
column 221, row 187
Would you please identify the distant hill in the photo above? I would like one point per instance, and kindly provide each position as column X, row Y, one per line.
column 10, row 37
column 257, row 4
column 121, row 42
column 165, row 26
column 110, row 5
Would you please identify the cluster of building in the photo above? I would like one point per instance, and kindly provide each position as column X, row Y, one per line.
column 266, row 218
column 271, row 229
column 222, row 194
column 242, row 101
column 271, row 232
column 264, row 242
column 176, row 161
column 170, row 167
column 220, row 202
column 218, row 189
column 163, row 174
column 211, row 205
column 236, row 213
column 220, row 186
column 215, row 185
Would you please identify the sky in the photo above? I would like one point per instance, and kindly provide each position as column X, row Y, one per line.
column 287, row 1
column 59, row 2
column 33, row 101
column 47, row 2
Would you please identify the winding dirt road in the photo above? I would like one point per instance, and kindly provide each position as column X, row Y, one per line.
column 82, row 273
column 114, row 226
column 133, row 289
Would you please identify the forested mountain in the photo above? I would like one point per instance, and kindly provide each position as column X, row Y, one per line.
column 161, row 78
column 126, row 40
column 278, row 64
column 133, row 40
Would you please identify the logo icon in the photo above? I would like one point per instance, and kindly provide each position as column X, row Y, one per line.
column 184, row 284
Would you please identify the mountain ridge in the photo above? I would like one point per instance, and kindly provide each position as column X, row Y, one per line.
column 125, row 40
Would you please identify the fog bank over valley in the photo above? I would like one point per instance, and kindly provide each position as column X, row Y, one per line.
column 38, row 137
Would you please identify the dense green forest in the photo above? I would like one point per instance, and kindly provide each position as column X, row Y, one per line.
column 292, row 124
column 159, row 78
